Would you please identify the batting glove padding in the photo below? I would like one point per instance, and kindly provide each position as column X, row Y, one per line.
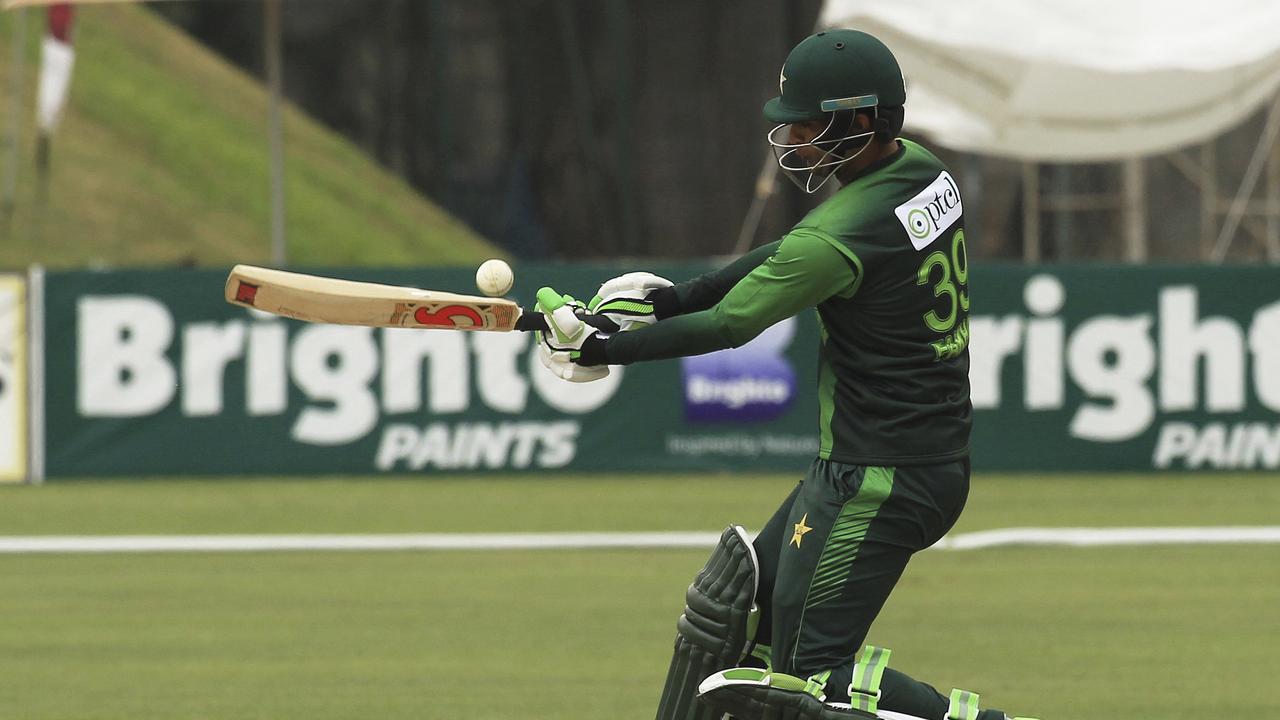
column 625, row 300
column 561, row 345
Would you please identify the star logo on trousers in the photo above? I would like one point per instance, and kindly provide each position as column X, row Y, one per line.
column 801, row 529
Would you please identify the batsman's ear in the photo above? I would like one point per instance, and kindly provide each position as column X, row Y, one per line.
column 888, row 122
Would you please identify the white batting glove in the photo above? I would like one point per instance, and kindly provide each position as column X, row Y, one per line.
column 560, row 346
column 623, row 301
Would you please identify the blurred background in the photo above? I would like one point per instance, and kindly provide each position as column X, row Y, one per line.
column 602, row 130
column 211, row 513
column 596, row 130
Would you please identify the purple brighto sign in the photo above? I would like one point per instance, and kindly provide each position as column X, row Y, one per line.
column 753, row 383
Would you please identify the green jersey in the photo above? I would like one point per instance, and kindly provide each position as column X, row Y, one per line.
column 883, row 261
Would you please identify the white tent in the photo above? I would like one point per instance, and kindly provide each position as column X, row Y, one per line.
column 1075, row 80
column 1084, row 81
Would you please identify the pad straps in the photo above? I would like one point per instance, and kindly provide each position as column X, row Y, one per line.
column 764, row 654
column 816, row 685
column 963, row 705
column 864, row 689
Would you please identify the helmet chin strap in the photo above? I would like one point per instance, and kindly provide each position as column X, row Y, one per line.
column 831, row 159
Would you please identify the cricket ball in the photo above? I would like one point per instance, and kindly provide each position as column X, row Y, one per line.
column 494, row 278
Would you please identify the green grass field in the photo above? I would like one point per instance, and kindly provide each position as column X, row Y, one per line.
column 1142, row 632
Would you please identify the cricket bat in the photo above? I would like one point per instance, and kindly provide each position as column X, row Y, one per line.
column 344, row 302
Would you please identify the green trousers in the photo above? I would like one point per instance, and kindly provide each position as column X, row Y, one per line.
column 832, row 553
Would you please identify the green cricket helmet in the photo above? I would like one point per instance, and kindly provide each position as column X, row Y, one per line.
column 831, row 76
column 836, row 70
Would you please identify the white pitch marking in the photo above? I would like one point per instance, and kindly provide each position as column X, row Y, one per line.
column 1007, row 537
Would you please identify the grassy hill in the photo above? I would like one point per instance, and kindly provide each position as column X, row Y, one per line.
column 162, row 158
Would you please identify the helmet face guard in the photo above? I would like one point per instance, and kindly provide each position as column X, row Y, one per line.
column 834, row 144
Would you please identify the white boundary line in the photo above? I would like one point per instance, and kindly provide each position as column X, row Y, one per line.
column 1007, row 537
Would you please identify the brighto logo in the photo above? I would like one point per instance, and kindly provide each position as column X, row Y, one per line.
column 753, row 383
column 736, row 394
column 934, row 210
column 1203, row 388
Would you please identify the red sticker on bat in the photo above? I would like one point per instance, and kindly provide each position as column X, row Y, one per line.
column 444, row 317
column 245, row 293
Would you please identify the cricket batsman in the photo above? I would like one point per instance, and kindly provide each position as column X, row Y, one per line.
column 773, row 628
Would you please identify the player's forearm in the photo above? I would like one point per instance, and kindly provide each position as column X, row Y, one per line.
column 704, row 291
column 690, row 334
column 752, row 306
column 798, row 274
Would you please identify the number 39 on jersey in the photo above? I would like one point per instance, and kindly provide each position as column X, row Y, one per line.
column 948, row 274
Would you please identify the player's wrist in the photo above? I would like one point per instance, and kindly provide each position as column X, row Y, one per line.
column 594, row 351
column 665, row 301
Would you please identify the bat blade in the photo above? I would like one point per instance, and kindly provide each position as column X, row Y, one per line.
column 345, row 302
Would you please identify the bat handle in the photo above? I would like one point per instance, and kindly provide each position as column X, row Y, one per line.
column 530, row 321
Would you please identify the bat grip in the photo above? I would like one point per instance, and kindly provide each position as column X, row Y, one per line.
column 530, row 321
